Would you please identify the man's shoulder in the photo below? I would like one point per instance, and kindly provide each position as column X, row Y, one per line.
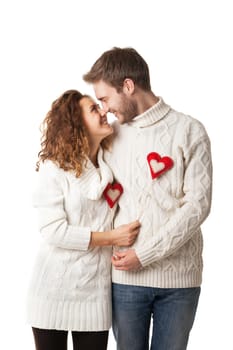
column 185, row 120
column 187, row 128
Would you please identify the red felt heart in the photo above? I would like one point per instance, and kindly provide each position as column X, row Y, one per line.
column 158, row 165
column 112, row 193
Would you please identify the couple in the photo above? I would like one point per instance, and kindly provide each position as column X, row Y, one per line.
column 149, row 174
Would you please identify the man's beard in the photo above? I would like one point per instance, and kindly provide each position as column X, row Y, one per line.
column 128, row 109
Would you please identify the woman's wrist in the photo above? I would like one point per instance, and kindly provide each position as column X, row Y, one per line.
column 100, row 239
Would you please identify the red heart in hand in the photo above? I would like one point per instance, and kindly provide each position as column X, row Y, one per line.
column 112, row 193
column 158, row 165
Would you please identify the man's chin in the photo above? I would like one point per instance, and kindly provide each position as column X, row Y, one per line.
column 120, row 119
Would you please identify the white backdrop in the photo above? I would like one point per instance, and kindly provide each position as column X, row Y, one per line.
column 46, row 46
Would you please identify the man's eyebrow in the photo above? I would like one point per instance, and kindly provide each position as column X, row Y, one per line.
column 102, row 98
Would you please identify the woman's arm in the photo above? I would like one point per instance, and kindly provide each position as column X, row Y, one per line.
column 53, row 223
column 124, row 236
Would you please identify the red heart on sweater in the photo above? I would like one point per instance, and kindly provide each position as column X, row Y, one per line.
column 112, row 193
column 158, row 165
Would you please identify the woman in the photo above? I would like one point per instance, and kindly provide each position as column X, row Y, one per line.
column 71, row 283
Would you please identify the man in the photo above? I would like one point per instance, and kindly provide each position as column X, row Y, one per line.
column 162, row 159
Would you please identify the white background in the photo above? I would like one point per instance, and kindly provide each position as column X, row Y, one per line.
column 46, row 46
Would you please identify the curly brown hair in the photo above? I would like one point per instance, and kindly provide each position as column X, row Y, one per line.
column 64, row 139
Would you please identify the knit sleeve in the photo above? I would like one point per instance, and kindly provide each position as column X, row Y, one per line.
column 195, row 207
column 52, row 219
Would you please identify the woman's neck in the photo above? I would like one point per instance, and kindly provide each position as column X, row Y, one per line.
column 93, row 154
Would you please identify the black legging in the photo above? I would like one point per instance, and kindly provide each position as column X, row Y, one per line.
column 51, row 339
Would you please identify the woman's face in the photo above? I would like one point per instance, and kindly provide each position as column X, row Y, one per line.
column 94, row 120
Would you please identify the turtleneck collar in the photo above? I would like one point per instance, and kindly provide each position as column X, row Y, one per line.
column 151, row 115
column 92, row 182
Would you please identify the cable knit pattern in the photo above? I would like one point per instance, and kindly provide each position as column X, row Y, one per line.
column 70, row 287
column 172, row 207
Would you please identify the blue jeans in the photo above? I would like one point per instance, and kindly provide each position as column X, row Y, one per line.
column 173, row 311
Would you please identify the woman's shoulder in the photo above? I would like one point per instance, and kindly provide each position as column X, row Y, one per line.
column 49, row 168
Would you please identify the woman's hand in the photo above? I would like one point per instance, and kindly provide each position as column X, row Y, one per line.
column 125, row 235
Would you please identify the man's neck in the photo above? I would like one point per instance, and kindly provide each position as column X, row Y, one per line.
column 145, row 100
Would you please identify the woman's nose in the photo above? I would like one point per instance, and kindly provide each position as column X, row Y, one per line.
column 102, row 112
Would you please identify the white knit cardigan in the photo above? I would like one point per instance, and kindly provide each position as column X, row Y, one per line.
column 171, row 207
column 70, row 287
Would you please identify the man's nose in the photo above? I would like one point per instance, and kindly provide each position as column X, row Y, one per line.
column 105, row 107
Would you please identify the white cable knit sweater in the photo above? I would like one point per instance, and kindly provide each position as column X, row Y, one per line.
column 171, row 207
column 71, row 284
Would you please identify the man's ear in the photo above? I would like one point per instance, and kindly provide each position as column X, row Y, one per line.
column 128, row 86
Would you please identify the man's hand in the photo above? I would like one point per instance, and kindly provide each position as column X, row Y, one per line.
column 126, row 260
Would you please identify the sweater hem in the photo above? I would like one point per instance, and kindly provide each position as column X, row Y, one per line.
column 165, row 279
column 69, row 315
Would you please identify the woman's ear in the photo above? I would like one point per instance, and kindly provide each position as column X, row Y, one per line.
column 128, row 86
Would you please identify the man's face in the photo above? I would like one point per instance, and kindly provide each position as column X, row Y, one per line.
column 120, row 104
